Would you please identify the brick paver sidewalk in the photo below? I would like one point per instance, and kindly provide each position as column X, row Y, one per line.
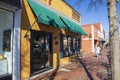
column 89, row 68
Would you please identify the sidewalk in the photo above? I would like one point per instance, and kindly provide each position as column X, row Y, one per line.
column 89, row 68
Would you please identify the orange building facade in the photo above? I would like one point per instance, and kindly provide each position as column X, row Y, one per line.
column 50, row 36
column 96, row 36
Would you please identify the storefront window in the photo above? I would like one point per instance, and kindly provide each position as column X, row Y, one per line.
column 77, row 51
column 6, row 26
column 70, row 45
column 74, row 45
column 41, row 52
column 65, row 46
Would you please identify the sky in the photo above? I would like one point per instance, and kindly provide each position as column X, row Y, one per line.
column 99, row 15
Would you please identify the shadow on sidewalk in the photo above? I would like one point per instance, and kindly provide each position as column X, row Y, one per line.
column 79, row 59
column 105, row 75
column 86, row 70
column 54, row 73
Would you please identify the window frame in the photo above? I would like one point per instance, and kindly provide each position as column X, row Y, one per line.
column 32, row 43
column 8, row 75
column 70, row 51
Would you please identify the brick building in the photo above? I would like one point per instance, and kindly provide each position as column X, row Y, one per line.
column 96, row 35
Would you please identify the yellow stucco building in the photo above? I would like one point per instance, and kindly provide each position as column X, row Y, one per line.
column 50, row 35
column 36, row 36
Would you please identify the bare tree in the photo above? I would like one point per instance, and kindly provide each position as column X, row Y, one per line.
column 114, row 38
column 113, row 33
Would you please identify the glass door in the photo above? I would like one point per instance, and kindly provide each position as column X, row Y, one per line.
column 6, row 36
column 41, row 51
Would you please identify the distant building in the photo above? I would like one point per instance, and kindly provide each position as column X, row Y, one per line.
column 96, row 36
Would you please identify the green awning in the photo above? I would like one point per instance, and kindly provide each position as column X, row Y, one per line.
column 73, row 27
column 49, row 17
column 46, row 16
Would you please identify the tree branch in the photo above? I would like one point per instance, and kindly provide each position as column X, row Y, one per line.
column 92, row 4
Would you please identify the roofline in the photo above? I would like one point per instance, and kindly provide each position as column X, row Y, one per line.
column 91, row 24
column 55, row 11
column 71, row 7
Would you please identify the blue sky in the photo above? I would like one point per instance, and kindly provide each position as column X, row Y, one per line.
column 94, row 16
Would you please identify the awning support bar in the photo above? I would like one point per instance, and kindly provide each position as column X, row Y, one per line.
column 26, row 34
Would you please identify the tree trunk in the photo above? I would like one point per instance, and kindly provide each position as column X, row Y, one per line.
column 114, row 39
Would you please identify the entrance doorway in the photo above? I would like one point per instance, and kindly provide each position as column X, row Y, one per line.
column 95, row 42
column 6, row 44
column 41, row 51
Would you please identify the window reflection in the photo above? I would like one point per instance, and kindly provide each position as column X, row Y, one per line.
column 74, row 45
column 40, row 51
column 77, row 46
column 6, row 26
column 7, row 40
column 65, row 48
column 70, row 45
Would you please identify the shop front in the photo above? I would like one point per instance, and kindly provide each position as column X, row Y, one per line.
column 101, row 41
column 47, row 38
column 41, row 51
column 6, row 28
column 8, row 14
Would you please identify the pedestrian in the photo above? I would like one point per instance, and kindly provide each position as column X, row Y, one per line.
column 98, row 51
